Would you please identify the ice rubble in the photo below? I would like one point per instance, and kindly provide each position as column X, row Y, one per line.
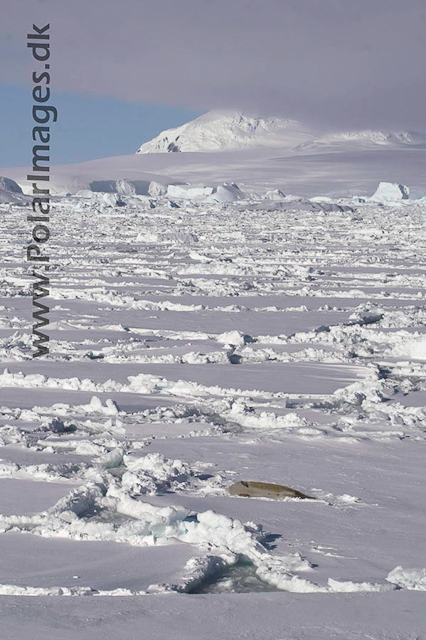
column 133, row 193
column 115, row 482
column 120, row 192
column 163, row 265
column 146, row 525
column 413, row 579
column 221, row 193
column 274, row 194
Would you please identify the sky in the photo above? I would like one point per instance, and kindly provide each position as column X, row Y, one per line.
column 123, row 71
column 88, row 126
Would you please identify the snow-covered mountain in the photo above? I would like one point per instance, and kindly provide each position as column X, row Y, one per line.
column 225, row 131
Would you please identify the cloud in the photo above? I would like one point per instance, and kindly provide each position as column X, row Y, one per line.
column 331, row 63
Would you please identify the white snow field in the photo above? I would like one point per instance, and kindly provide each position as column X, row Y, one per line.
column 198, row 338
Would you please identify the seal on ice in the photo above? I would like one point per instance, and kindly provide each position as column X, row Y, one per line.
column 251, row 489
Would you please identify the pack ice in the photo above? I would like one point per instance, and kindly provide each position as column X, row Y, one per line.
column 202, row 334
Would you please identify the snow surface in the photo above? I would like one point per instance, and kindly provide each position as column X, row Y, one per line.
column 256, row 171
column 196, row 341
column 225, row 130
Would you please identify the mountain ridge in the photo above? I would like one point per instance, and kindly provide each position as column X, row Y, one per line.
column 218, row 131
column 226, row 130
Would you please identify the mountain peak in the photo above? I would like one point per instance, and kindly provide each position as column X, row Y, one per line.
column 228, row 130
column 234, row 130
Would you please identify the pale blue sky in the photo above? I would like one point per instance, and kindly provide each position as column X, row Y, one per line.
column 87, row 127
